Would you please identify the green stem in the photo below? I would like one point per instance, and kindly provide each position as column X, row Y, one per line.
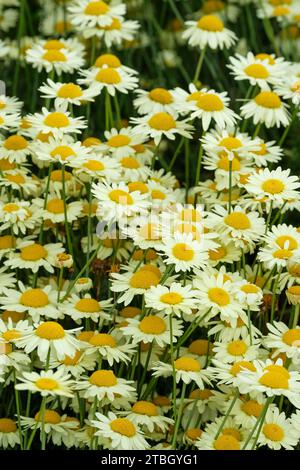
column 199, row 65
column 178, row 420
column 237, row 393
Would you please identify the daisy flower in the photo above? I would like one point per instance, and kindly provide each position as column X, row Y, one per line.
column 258, row 71
column 63, row 150
column 47, row 383
column 119, row 433
column 236, row 350
column 249, row 294
column 118, row 32
column 49, row 337
column 38, row 302
column 97, row 167
column 10, row 105
column 57, row 122
column 33, row 256
column 58, row 58
column 7, row 279
column 162, row 124
column 232, row 436
column 9, row 433
column 90, row 13
column 145, row 414
column 289, row 89
column 152, row 328
column 175, row 299
column 246, row 411
column 271, row 379
column 132, row 283
column 240, row 226
column 106, row 347
column 113, row 61
column 212, row 106
column 283, row 339
column 218, row 295
column 116, row 201
column 76, row 365
column 110, row 79
column 267, row 108
column 145, row 231
column 187, row 369
column 277, row 431
column 9, row 121
column 50, row 421
column 184, row 252
column 266, row 153
column 67, row 93
column 276, row 185
column 121, row 143
column 105, row 386
column 226, row 332
column 209, row 31
column 55, row 212
column 14, row 148
column 20, row 181
column 157, row 100
column 86, row 307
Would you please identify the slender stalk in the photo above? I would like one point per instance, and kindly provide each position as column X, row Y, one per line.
column 173, row 368
column 237, row 393
column 199, row 65
column 258, row 424
column 179, row 416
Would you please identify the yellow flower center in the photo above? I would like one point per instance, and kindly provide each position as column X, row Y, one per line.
column 138, row 186
column 109, row 76
column 119, row 140
column 210, row 102
column 46, row 384
column 273, row 186
column 152, row 325
column 281, row 11
column 219, row 296
column 54, row 55
column 238, row 221
column 187, row 364
column 274, row 432
column 94, row 165
column 274, row 379
column 292, row 337
column 161, row 95
column 162, row 122
column 57, row 120
column 295, row 290
column 88, row 305
column 7, row 425
column 171, row 298
column 121, row 197
column 226, row 442
column 50, row 417
column 103, row 339
column 50, row 330
column 56, row 175
column 123, row 426
column 115, row 24
column 110, row 60
column 190, row 215
column 240, row 365
column 6, row 241
column 282, row 254
column 56, row 206
column 54, row 44
column 96, row 8
column 230, row 143
column 91, row 141
column 69, row 90
column 257, row 71
column 287, row 241
column 237, row 348
column 6, row 165
column 296, row 87
column 149, row 232
column 15, row 142
column 211, row 6
column 33, row 252
column 103, row 378
column 232, row 432
column 268, row 99
column 157, row 194
column 35, row 298
column 252, row 408
column 15, row 316
column 10, row 335
column 195, row 96
column 11, row 207
column 200, row 347
column 130, row 312
column 130, row 162
column 210, row 23
column 145, row 408
column 16, row 178
column 250, row 289
column 72, row 361
column 183, row 252
column 217, row 253
column 144, row 279
column 263, row 56
column 229, row 165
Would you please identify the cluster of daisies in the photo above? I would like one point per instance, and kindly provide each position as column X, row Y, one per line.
column 149, row 246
